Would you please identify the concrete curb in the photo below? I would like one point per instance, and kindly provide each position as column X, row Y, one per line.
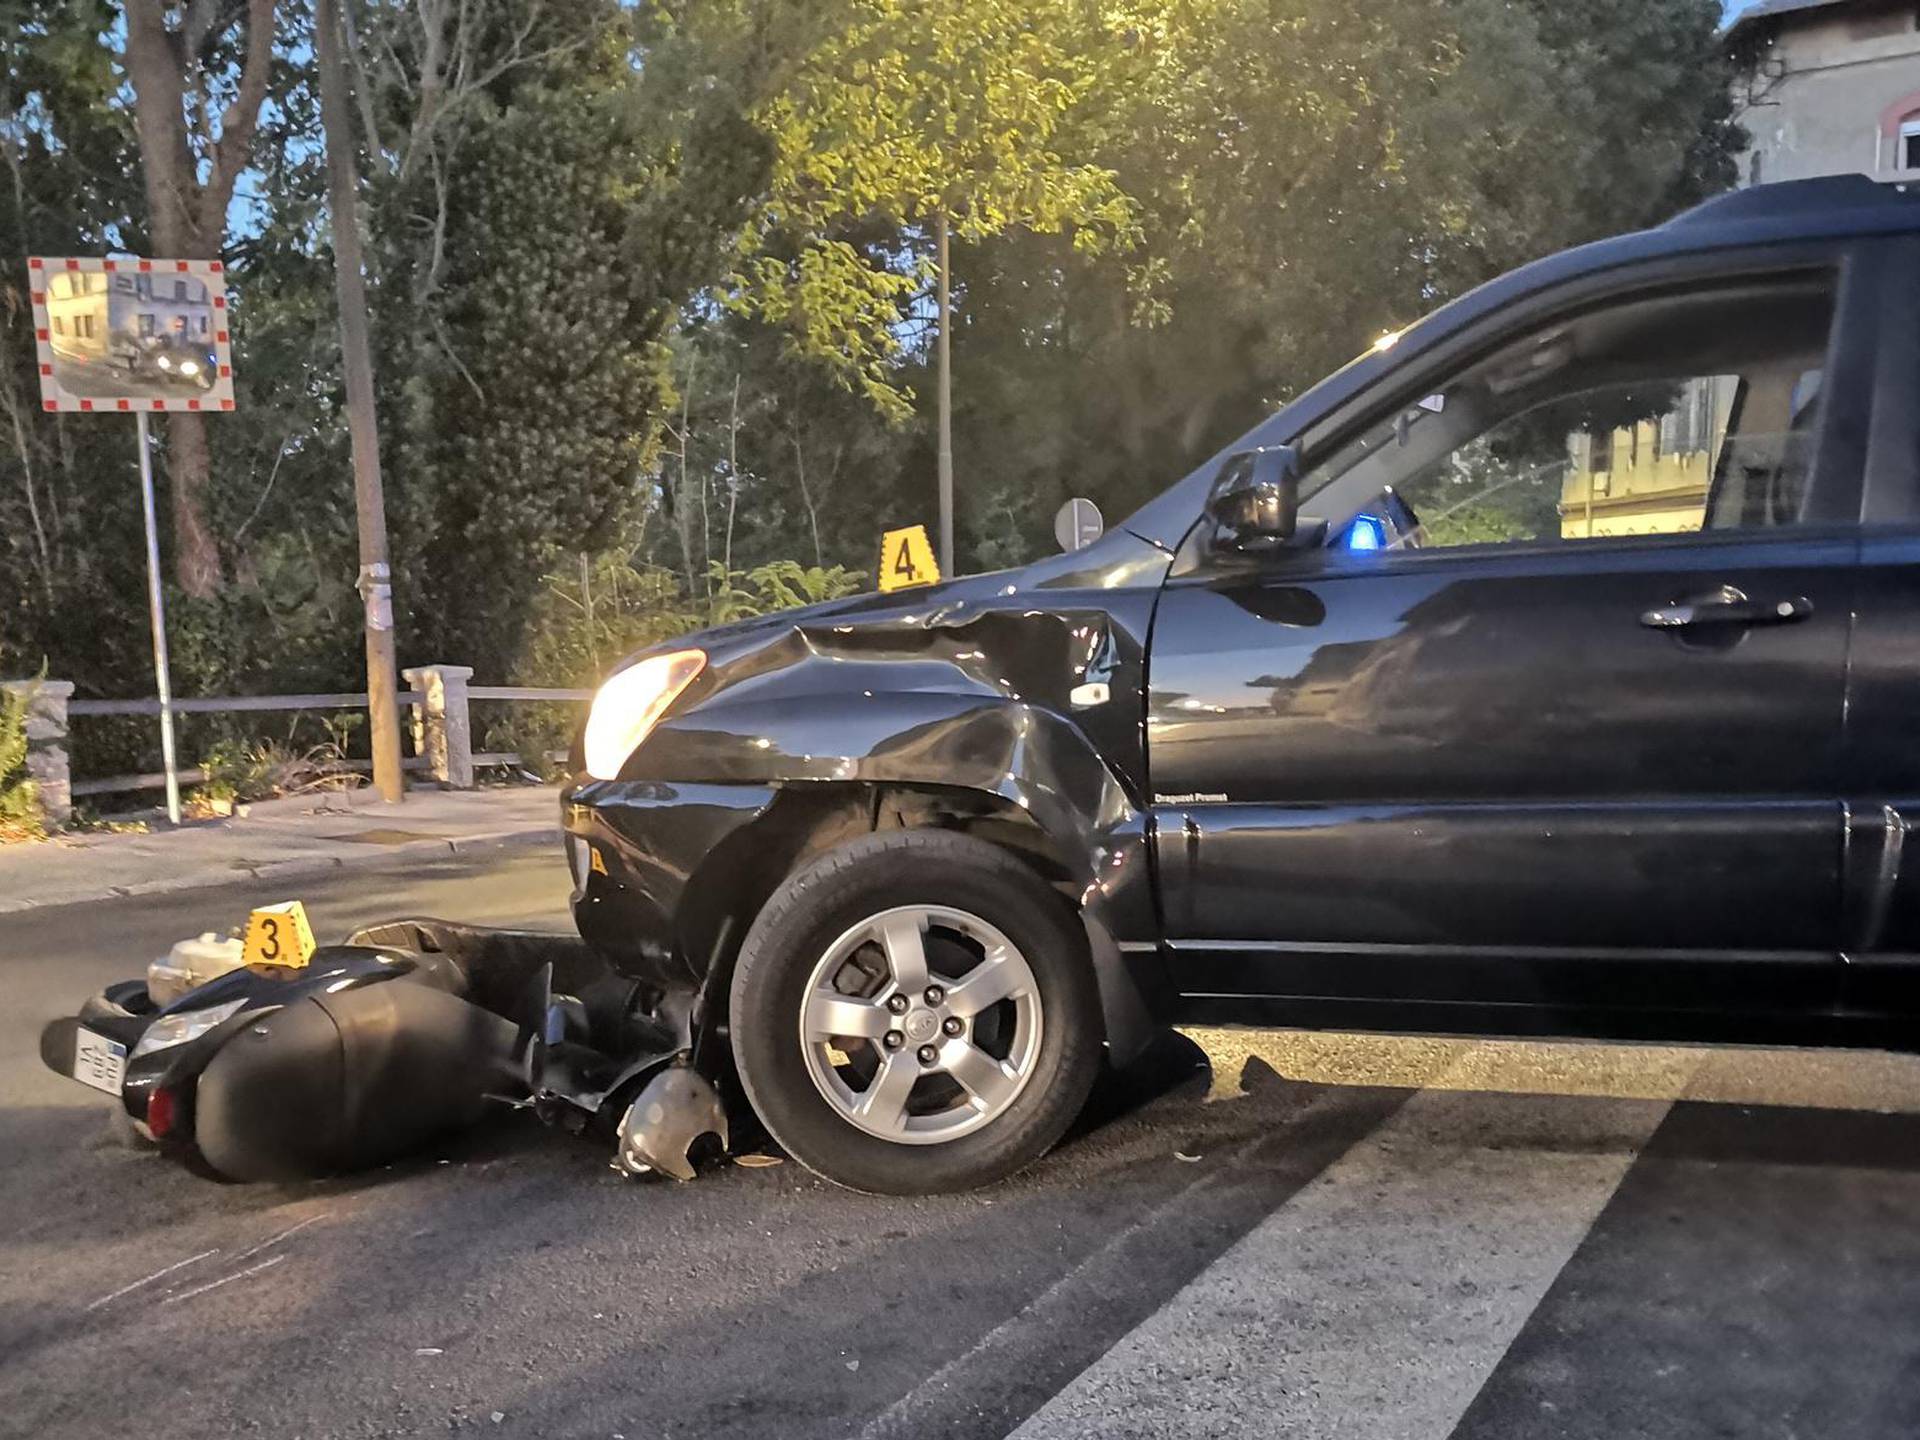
column 304, row 867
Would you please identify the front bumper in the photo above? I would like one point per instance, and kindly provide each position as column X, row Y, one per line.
column 637, row 850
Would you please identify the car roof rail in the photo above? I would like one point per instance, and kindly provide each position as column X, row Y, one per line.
column 1785, row 198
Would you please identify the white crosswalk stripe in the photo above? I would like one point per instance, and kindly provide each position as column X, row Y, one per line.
column 1377, row 1301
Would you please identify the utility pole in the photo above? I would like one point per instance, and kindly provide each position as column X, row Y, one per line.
column 946, row 407
column 356, row 358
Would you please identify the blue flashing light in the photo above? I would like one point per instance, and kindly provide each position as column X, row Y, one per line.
column 1367, row 532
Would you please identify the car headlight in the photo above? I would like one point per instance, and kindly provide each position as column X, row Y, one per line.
column 189, row 367
column 629, row 704
column 171, row 1030
column 164, row 363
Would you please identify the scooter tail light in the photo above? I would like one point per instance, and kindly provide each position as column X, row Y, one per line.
column 163, row 1113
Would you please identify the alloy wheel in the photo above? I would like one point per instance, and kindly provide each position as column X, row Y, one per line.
column 921, row 1024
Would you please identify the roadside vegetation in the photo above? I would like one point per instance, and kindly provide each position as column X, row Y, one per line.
column 654, row 285
column 19, row 807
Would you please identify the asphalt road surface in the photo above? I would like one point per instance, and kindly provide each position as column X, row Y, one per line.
column 1257, row 1235
column 101, row 380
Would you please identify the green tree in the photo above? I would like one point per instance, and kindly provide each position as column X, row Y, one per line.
column 1167, row 217
column 19, row 796
column 940, row 118
column 71, row 585
column 539, row 213
column 198, row 87
column 908, row 113
column 1309, row 174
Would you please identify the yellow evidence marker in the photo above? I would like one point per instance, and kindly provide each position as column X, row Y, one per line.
column 906, row 559
column 279, row 935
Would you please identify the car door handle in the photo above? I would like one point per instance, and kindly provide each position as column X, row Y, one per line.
column 1727, row 606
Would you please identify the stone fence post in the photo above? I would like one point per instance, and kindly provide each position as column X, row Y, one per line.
column 443, row 732
column 47, row 764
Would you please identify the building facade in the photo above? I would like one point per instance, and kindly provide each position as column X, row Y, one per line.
column 1828, row 87
column 1823, row 87
column 1651, row 475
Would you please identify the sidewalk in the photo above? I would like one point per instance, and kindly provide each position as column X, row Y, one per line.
column 277, row 840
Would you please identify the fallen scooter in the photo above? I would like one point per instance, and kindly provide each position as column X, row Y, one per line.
column 368, row 1049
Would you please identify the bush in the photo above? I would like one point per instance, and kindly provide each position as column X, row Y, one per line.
column 19, row 796
column 240, row 772
column 586, row 622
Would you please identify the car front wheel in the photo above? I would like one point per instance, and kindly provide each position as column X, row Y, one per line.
column 914, row 1012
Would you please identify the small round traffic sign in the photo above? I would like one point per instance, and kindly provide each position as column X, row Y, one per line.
column 1078, row 524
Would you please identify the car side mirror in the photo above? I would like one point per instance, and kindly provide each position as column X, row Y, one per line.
column 1256, row 501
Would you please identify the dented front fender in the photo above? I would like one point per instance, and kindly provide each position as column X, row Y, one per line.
column 1027, row 687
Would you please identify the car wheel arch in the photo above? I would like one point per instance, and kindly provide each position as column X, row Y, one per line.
column 737, row 878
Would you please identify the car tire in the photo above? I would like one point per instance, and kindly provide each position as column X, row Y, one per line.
column 1022, row 1063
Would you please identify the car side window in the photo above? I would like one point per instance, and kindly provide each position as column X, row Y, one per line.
column 1654, row 416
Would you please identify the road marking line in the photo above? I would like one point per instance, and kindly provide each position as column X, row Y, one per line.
column 228, row 1280
column 902, row 1417
column 268, row 1244
column 1376, row 1301
column 148, row 1280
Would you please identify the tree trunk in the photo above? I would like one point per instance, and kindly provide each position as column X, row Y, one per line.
column 682, row 502
column 196, row 555
column 189, row 217
column 806, row 498
column 733, row 476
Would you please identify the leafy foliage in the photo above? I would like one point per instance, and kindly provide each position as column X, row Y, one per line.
column 651, row 282
column 907, row 111
column 19, row 796
column 584, row 621
column 1308, row 175
column 522, row 326
column 610, row 607
column 240, row 771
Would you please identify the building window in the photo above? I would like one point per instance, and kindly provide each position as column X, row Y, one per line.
column 1908, row 155
column 1600, row 452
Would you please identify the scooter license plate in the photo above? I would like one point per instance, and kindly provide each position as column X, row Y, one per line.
column 99, row 1061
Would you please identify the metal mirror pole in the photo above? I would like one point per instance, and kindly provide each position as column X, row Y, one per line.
column 157, row 612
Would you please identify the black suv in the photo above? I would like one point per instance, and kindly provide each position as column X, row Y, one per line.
column 1552, row 669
